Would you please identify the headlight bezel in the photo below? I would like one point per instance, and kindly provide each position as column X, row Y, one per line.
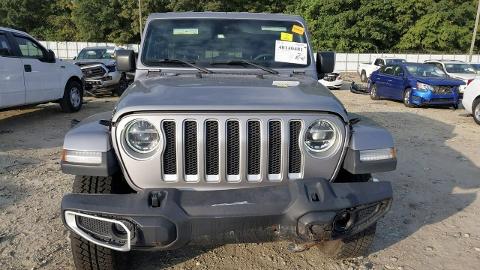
column 329, row 151
column 134, row 152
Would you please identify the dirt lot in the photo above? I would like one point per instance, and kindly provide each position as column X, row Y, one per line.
column 434, row 222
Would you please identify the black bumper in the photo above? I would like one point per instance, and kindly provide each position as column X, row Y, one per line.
column 304, row 210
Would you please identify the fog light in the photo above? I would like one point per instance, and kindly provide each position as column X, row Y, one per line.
column 377, row 154
column 83, row 157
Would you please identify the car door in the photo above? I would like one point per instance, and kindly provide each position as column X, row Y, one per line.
column 42, row 79
column 382, row 80
column 396, row 83
column 12, row 86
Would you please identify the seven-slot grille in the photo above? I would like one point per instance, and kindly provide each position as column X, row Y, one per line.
column 235, row 150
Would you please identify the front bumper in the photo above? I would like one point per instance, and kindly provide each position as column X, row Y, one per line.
column 429, row 98
column 110, row 79
column 303, row 210
column 337, row 84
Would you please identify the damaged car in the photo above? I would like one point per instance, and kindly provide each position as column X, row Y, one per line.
column 100, row 70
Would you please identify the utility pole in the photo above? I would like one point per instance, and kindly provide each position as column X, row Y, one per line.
column 140, row 16
column 474, row 33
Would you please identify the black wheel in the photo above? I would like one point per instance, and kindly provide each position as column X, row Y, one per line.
column 350, row 247
column 476, row 110
column 86, row 255
column 72, row 97
column 122, row 85
column 407, row 98
column 373, row 92
column 363, row 76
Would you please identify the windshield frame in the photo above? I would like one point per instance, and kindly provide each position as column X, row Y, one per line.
column 229, row 69
column 84, row 50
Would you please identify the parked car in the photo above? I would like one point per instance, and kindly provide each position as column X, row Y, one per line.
column 30, row 74
column 415, row 84
column 332, row 80
column 456, row 69
column 476, row 66
column 224, row 147
column 100, row 69
column 471, row 100
column 366, row 69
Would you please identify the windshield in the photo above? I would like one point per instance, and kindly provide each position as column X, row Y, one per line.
column 425, row 70
column 394, row 61
column 96, row 54
column 216, row 42
column 459, row 68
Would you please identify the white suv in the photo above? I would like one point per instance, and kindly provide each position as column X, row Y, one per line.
column 30, row 74
column 471, row 100
column 456, row 69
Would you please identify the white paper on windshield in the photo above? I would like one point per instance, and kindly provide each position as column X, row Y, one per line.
column 274, row 28
column 291, row 52
column 185, row 31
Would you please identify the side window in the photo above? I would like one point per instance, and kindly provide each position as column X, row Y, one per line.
column 378, row 62
column 387, row 70
column 397, row 71
column 5, row 49
column 30, row 48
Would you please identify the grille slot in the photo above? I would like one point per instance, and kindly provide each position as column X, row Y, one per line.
column 274, row 147
column 294, row 154
column 169, row 153
column 253, row 150
column 190, row 149
column 211, row 150
column 233, row 148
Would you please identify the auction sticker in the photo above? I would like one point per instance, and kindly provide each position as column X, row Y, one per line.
column 286, row 36
column 298, row 29
column 291, row 52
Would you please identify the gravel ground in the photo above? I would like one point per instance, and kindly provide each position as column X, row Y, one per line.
column 433, row 223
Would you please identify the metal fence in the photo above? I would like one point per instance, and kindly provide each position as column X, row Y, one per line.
column 346, row 62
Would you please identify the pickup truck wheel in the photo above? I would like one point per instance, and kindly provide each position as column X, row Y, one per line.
column 72, row 97
column 476, row 110
column 350, row 247
column 86, row 255
column 373, row 92
column 407, row 98
column 363, row 76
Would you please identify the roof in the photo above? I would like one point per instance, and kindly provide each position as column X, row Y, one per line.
column 226, row 15
column 14, row 31
column 446, row 61
column 101, row 47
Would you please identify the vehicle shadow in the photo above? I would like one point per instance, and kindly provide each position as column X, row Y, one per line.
column 428, row 176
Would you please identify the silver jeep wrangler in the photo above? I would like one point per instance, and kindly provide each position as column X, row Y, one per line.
column 225, row 136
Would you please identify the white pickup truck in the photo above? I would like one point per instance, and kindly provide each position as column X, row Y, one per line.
column 366, row 69
column 30, row 74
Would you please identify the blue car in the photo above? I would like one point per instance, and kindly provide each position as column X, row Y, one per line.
column 415, row 84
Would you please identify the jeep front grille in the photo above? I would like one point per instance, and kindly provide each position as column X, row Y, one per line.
column 235, row 150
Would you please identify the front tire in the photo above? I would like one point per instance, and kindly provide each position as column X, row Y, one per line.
column 72, row 99
column 374, row 92
column 86, row 255
column 122, row 85
column 363, row 76
column 476, row 110
column 350, row 247
column 407, row 98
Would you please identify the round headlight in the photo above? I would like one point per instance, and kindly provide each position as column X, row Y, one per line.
column 141, row 136
column 320, row 136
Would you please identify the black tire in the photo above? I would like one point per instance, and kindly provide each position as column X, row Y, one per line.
column 407, row 98
column 72, row 99
column 350, row 247
column 86, row 255
column 122, row 85
column 363, row 76
column 373, row 92
column 476, row 110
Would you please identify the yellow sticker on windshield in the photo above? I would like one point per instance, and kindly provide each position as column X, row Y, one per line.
column 298, row 29
column 286, row 36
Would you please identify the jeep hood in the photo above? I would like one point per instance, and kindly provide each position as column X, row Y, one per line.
column 219, row 92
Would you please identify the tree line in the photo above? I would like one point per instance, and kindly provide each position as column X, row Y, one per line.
column 342, row 25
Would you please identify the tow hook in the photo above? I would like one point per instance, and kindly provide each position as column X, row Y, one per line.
column 156, row 198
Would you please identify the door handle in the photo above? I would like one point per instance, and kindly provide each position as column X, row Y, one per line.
column 62, row 66
column 28, row 68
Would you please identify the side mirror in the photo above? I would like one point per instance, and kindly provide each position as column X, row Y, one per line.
column 4, row 52
column 125, row 60
column 50, row 57
column 74, row 58
column 325, row 63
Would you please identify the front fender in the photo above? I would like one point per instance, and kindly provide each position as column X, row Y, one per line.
column 90, row 136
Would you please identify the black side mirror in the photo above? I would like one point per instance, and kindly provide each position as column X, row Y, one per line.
column 4, row 52
column 325, row 63
column 49, row 57
column 125, row 60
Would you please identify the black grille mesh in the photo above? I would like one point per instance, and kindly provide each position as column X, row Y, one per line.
column 190, row 135
column 253, row 147
column 274, row 147
column 169, row 154
column 100, row 227
column 211, row 148
column 233, row 148
column 294, row 154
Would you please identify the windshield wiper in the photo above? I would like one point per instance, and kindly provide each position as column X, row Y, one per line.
column 173, row 61
column 243, row 62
